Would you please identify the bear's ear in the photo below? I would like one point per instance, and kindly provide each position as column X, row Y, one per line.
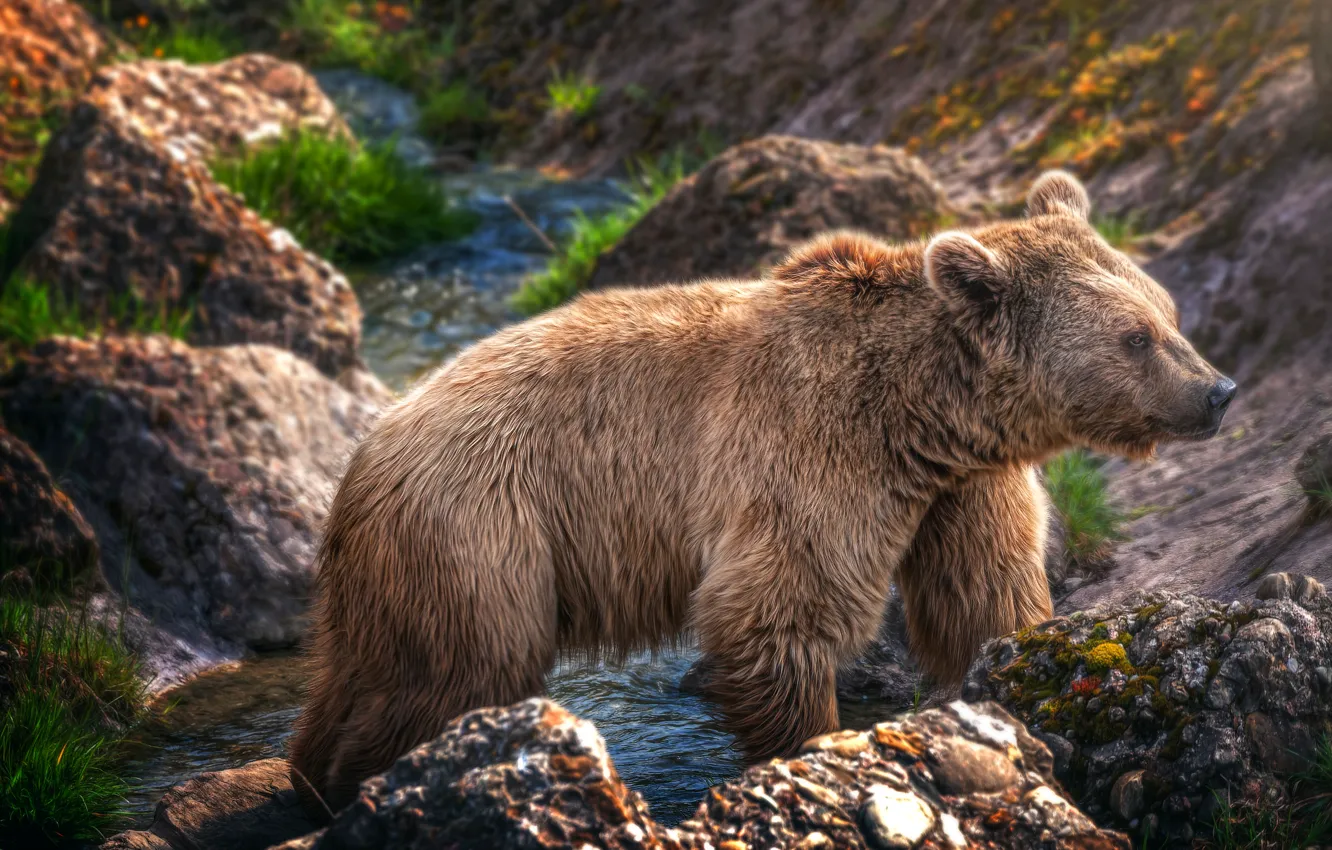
column 970, row 277
column 1058, row 193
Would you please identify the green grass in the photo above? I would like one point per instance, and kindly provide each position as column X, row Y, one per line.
column 455, row 106
column 1305, row 821
column 1077, row 489
column 191, row 45
column 72, row 693
column 388, row 45
column 1120, row 231
column 574, row 95
column 1320, row 497
column 30, row 312
column 344, row 202
column 569, row 270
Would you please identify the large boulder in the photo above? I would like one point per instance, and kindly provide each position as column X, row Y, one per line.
column 41, row 532
column 48, row 50
column 751, row 204
column 124, row 209
column 1165, row 709
column 205, row 472
column 533, row 776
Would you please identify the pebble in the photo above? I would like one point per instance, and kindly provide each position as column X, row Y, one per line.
column 895, row 820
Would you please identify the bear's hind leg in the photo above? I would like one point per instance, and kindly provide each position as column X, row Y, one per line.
column 976, row 570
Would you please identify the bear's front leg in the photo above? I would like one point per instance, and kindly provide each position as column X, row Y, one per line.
column 976, row 569
column 772, row 635
column 773, row 699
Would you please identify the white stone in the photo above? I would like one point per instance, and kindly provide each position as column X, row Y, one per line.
column 896, row 820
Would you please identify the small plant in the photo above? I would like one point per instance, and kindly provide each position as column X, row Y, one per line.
column 569, row 270
column 1077, row 489
column 1320, row 495
column 72, row 692
column 456, row 105
column 572, row 95
column 347, row 203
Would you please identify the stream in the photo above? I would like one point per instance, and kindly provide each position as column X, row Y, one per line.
column 419, row 311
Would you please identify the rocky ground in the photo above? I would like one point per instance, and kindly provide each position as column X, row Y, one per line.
column 192, row 474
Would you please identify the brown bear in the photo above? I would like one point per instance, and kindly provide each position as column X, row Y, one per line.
column 752, row 461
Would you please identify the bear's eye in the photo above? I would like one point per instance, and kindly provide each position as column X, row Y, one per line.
column 1137, row 339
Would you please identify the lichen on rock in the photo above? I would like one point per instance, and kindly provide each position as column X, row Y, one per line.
column 1206, row 703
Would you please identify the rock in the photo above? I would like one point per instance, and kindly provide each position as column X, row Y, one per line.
column 1126, row 795
column 41, row 532
column 125, row 209
column 50, row 48
column 891, row 795
column 531, row 775
column 205, row 472
column 896, row 819
column 1210, row 698
column 1300, row 588
column 747, row 207
column 247, row 808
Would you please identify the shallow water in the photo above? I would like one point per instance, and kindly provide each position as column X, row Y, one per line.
column 423, row 309
column 667, row 745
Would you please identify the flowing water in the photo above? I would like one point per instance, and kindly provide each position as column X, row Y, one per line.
column 418, row 312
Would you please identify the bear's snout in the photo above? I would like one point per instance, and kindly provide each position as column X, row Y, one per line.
column 1217, row 401
column 1220, row 397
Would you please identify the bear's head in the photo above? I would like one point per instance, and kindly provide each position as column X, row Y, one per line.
column 1092, row 340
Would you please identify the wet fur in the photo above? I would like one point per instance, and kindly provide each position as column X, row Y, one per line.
column 751, row 461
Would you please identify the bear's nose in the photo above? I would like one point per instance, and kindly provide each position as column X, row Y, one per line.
column 1220, row 395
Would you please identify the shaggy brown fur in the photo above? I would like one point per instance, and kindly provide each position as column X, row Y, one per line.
column 752, row 460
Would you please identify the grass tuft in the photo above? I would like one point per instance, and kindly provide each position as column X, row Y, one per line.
column 1320, row 496
column 195, row 47
column 1077, row 489
column 341, row 201
column 571, row 94
column 569, row 270
column 30, row 312
column 73, row 692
